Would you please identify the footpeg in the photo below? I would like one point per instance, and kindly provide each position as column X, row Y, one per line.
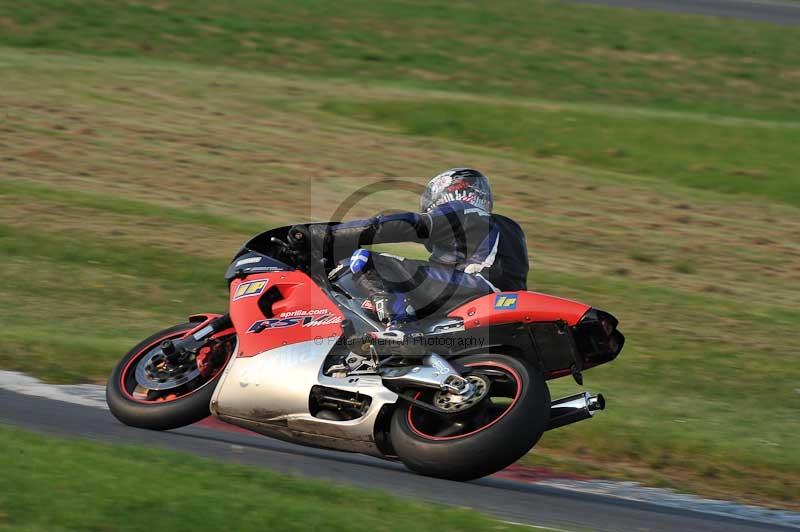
column 396, row 343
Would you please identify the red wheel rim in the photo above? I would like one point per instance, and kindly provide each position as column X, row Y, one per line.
column 511, row 372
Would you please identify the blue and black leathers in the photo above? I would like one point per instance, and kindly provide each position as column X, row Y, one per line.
column 472, row 251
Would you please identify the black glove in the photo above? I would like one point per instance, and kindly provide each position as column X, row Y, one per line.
column 309, row 237
column 298, row 237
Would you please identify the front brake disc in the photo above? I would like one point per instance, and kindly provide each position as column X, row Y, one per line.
column 154, row 372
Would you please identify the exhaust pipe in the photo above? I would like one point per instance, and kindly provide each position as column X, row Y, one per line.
column 574, row 408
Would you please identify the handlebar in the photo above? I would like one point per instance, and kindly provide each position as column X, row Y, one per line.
column 280, row 242
column 306, row 260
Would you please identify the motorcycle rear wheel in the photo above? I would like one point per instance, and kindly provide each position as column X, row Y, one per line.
column 484, row 439
column 173, row 408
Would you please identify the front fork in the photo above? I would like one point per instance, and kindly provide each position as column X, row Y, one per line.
column 190, row 344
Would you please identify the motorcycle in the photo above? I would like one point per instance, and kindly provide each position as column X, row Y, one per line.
column 282, row 363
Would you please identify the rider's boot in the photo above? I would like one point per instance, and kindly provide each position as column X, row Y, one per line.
column 401, row 338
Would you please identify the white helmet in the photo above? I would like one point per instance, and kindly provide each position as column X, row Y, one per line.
column 458, row 184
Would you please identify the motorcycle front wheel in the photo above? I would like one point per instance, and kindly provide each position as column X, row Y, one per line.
column 509, row 415
column 143, row 392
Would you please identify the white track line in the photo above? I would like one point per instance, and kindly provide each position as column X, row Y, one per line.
column 80, row 394
column 536, row 526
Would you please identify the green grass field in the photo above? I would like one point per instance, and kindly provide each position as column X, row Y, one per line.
column 537, row 49
column 652, row 168
column 93, row 486
column 716, row 153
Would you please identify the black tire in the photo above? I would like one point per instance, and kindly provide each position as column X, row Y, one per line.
column 158, row 416
column 491, row 449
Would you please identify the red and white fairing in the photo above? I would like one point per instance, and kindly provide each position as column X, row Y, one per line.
column 304, row 313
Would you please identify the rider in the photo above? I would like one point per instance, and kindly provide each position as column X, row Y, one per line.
column 473, row 252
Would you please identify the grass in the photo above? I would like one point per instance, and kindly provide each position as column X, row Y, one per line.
column 735, row 157
column 129, row 177
column 684, row 267
column 540, row 49
column 105, row 292
column 123, row 206
column 670, row 401
column 93, row 486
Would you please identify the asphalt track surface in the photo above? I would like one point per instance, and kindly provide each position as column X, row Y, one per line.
column 507, row 500
column 757, row 10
